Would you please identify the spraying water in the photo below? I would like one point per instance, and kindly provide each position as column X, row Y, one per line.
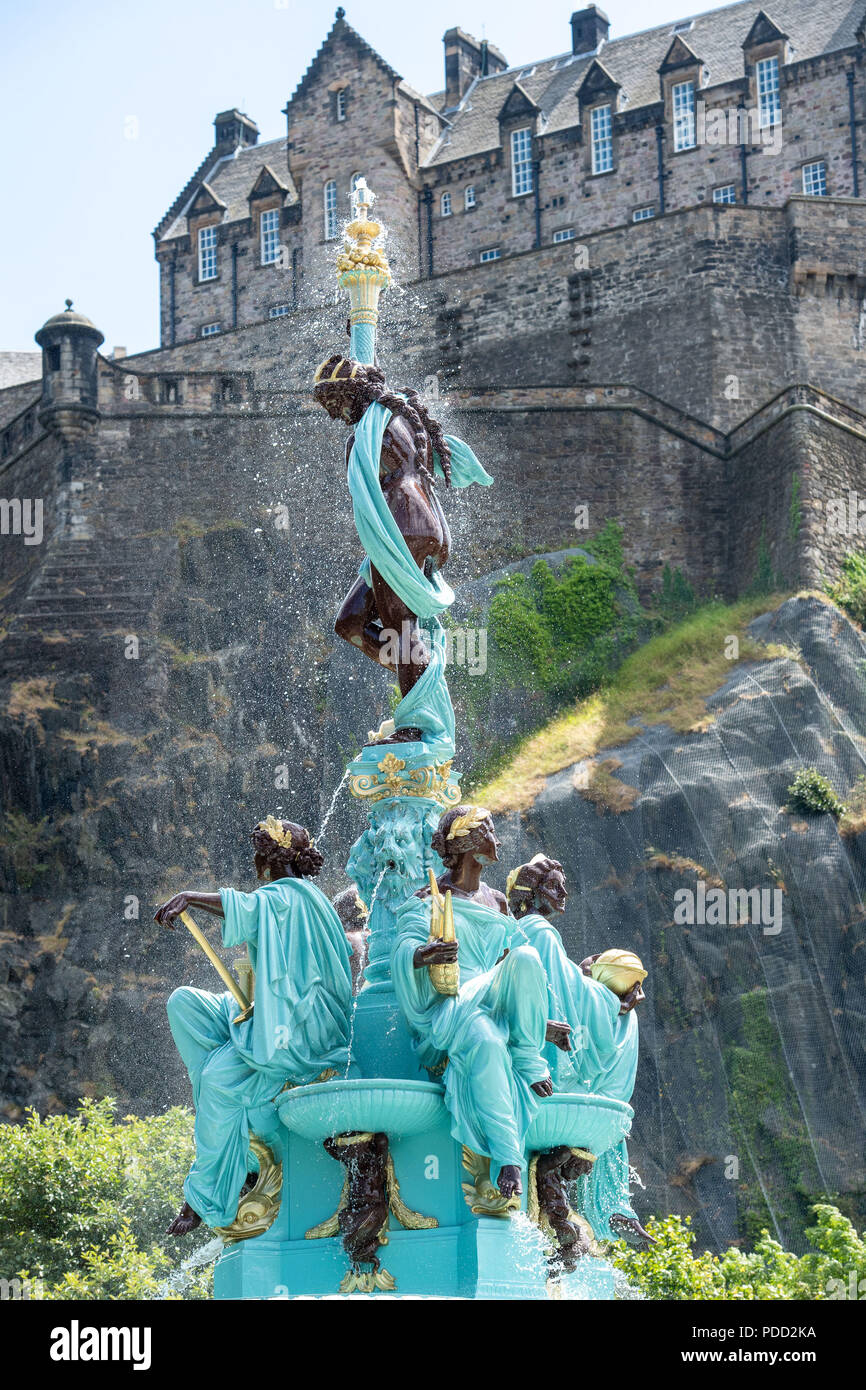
column 330, row 811
column 355, row 998
column 180, row 1279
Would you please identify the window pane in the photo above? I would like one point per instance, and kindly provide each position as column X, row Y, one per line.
column 491, row 255
column 815, row 179
column 330, row 196
column 469, row 197
column 683, row 95
column 769, row 99
column 521, row 162
column 643, row 214
column 207, row 256
column 728, row 194
column 602, row 140
column 567, row 234
column 446, row 205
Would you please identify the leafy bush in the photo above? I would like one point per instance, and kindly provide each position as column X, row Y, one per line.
column 812, row 795
column 677, row 597
column 834, row 1269
column 850, row 589
column 85, row 1200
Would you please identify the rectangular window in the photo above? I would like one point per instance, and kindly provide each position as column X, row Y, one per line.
column 469, row 196
column 270, row 224
column 207, row 253
column 330, row 200
column 815, row 179
column 521, row 162
column 209, row 330
column 602, row 140
column 683, row 102
column 445, row 205
column 492, row 254
column 728, row 194
column 566, row 234
column 341, row 104
column 643, row 214
column 769, row 98
column 278, row 311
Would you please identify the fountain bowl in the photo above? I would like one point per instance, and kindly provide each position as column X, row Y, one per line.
column 580, row 1120
column 396, row 1108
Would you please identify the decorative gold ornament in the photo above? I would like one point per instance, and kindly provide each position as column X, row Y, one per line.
column 272, row 827
column 258, row 1208
column 362, row 267
column 392, row 779
column 482, row 1197
column 228, row 979
column 619, row 970
column 444, row 977
column 320, row 377
column 464, row 825
column 359, row 1280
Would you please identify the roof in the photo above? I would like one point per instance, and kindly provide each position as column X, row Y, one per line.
column 813, row 27
column 19, row 367
column 232, row 180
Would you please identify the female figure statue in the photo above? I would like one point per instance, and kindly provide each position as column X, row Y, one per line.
column 492, row 1031
column 395, row 451
column 599, row 1008
column 299, row 1025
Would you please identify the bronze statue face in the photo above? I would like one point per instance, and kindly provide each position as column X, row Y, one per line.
column 552, row 892
column 340, row 399
column 484, row 844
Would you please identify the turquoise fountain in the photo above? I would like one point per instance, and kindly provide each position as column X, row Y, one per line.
column 483, row 1078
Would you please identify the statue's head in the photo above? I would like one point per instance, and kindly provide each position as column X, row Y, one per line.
column 538, row 886
column 341, row 385
column 282, row 849
column 351, row 910
column 466, row 830
column 622, row 972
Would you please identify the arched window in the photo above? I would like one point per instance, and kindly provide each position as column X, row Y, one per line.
column 330, row 201
column 469, row 196
column 355, row 177
column 445, row 205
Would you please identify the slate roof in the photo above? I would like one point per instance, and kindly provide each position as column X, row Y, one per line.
column 18, row 367
column 813, row 27
column 233, row 178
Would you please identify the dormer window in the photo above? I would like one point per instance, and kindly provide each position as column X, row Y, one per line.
column 330, row 202
column 769, row 96
column 270, row 236
column 469, row 196
column 340, row 104
column 683, row 105
column 445, row 205
column 207, row 253
column 602, row 140
column 521, row 161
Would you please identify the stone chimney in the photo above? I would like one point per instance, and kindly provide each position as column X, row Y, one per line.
column 465, row 59
column 589, row 29
column 233, row 128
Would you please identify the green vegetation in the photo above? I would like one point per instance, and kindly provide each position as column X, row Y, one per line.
column 768, row 1126
column 812, row 795
column 31, row 847
column 850, row 589
column 853, row 822
column 85, row 1199
column 665, row 681
column 834, row 1269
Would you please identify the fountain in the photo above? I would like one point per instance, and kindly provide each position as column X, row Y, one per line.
column 359, row 1169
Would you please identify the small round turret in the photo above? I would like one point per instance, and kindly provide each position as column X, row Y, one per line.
column 69, row 343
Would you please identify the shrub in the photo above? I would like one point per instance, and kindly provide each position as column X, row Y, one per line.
column 849, row 591
column 812, row 795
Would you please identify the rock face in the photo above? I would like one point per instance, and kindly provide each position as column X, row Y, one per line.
column 750, row 1094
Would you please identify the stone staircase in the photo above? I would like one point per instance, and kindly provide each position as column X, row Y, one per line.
column 90, row 586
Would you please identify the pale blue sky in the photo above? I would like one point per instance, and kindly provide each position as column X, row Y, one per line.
column 81, row 199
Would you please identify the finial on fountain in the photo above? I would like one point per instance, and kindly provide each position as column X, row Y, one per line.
column 363, row 271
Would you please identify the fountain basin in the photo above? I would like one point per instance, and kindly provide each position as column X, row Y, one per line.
column 396, row 1108
column 580, row 1120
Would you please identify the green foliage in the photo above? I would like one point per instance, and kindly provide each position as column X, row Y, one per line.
column 670, row 1269
column 85, row 1200
column 765, row 580
column 850, row 589
column 812, row 795
column 677, row 598
column 29, row 844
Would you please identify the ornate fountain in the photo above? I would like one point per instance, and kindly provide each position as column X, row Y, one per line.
column 361, row 1186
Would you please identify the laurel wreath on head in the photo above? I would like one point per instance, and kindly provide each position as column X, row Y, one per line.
column 464, row 825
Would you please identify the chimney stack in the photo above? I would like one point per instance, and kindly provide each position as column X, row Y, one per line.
column 233, row 128
column 466, row 59
column 589, row 29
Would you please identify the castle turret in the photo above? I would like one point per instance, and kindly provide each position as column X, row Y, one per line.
column 69, row 343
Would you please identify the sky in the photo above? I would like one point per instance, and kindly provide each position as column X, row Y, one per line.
column 110, row 108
